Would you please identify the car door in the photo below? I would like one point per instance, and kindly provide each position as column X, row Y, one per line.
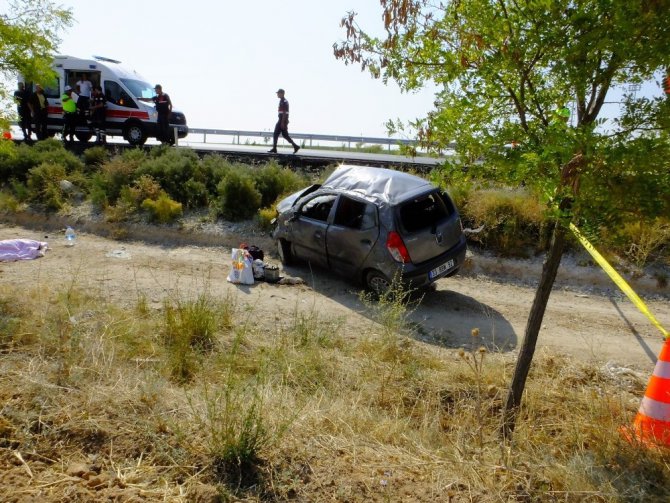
column 310, row 227
column 352, row 235
column 430, row 225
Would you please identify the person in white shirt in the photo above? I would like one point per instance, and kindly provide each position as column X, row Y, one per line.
column 84, row 88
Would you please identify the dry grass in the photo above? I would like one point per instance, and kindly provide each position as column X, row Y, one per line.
column 96, row 408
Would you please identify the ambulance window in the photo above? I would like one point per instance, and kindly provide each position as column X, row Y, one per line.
column 53, row 91
column 115, row 94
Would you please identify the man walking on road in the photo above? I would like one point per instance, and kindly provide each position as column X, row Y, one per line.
column 282, row 125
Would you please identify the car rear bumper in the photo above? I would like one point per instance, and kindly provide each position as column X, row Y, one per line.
column 419, row 276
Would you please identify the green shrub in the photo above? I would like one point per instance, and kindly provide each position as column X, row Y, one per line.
column 264, row 218
column 213, row 169
column 238, row 197
column 195, row 194
column 44, row 185
column 95, row 157
column 8, row 202
column 113, row 176
column 513, row 220
column 143, row 188
column 273, row 181
column 163, row 210
column 17, row 161
column 172, row 169
column 52, row 151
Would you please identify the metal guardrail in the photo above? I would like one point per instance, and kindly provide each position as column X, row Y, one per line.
column 267, row 135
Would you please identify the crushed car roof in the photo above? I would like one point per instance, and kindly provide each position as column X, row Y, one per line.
column 376, row 183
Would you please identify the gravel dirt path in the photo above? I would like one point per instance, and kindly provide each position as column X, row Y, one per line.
column 586, row 318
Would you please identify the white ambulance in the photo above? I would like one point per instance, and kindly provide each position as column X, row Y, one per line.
column 130, row 111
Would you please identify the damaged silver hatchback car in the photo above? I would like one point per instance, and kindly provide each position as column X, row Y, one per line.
column 373, row 225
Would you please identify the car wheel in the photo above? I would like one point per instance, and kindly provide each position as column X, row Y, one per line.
column 83, row 137
column 134, row 134
column 284, row 252
column 377, row 283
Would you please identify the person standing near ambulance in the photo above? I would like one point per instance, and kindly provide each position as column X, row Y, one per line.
column 39, row 110
column 282, row 124
column 163, row 109
column 84, row 89
column 98, row 107
column 69, row 114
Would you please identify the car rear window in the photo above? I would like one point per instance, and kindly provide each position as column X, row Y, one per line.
column 425, row 212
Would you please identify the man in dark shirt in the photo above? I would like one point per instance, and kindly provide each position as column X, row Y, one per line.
column 163, row 108
column 98, row 109
column 282, row 125
column 39, row 109
column 21, row 97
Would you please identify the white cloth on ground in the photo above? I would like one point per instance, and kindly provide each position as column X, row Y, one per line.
column 21, row 249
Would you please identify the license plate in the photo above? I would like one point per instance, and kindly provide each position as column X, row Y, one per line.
column 439, row 270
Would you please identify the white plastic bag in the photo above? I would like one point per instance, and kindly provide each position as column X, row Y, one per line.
column 241, row 272
column 259, row 269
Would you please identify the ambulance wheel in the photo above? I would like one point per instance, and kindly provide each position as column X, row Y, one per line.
column 83, row 137
column 134, row 134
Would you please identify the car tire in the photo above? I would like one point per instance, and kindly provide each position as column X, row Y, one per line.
column 134, row 134
column 377, row 282
column 83, row 137
column 284, row 252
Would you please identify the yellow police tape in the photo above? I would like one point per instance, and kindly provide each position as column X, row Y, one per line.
column 620, row 282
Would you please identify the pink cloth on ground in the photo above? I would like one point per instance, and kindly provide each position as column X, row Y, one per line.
column 21, row 249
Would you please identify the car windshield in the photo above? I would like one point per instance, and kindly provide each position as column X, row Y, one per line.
column 138, row 88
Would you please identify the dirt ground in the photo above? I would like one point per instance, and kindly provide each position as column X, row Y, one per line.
column 587, row 317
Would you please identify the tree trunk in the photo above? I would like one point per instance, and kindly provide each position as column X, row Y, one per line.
column 549, row 270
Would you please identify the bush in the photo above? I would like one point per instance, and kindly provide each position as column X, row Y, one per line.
column 113, row 176
column 163, row 210
column 95, row 157
column 238, row 197
column 8, row 202
column 273, row 181
column 172, row 169
column 264, row 218
column 213, row 169
column 195, row 194
column 44, row 185
column 513, row 220
column 17, row 161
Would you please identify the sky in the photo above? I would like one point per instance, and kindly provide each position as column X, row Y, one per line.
column 222, row 62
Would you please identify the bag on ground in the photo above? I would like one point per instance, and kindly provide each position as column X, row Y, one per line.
column 241, row 271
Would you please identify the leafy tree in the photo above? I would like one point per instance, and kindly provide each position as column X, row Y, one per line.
column 28, row 38
column 505, row 70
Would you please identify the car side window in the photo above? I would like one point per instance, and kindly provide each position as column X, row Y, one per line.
column 318, row 208
column 115, row 94
column 354, row 214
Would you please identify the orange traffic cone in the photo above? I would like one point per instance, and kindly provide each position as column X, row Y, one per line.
column 652, row 423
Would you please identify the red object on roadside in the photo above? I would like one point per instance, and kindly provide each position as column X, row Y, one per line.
column 7, row 135
column 652, row 423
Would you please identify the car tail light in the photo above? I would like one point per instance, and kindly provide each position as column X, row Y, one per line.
column 397, row 248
